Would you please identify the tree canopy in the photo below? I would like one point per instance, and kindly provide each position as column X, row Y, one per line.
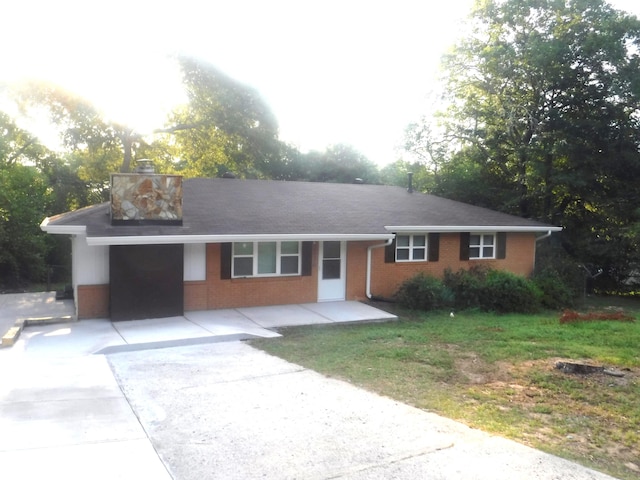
column 542, row 120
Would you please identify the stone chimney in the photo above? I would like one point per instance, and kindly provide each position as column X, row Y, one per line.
column 145, row 197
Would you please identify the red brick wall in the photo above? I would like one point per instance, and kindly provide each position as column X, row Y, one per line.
column 387, row 277
column 195, row 296
column 247, row 292
column 92, row 301
column 357, row 269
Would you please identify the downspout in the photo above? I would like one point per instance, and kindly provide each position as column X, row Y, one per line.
column 542, row 237
column 380, row 245
column 535, row 253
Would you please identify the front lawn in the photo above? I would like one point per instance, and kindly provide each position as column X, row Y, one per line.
column 496, row 373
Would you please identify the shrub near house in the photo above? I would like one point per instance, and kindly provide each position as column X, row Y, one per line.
column 486, row 289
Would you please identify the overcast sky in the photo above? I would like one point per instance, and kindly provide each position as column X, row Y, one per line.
column 332, row 71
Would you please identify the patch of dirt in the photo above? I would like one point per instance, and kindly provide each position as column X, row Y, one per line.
column 562, row 420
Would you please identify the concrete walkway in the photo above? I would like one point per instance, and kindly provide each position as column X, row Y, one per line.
column 56, row 335
column 92, row 399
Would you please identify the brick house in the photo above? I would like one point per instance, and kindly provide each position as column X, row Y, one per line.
column 163, row 246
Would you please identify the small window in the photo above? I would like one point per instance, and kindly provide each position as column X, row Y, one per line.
column 266, row 259
column 411, row 248
column 482, row 245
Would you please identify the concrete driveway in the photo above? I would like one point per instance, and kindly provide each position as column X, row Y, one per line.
column 221, row 411
column 229, row 411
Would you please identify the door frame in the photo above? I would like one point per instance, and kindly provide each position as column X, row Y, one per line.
column 332, row 290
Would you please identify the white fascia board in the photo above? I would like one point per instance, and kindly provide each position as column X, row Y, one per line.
column 176, row 239
column 45, row 226
column 470, row 228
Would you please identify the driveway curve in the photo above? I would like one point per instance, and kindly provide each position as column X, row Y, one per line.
column 229, row 411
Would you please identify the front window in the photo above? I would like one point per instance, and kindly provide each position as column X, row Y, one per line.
column 411, row 248
column 254, row 259
column 482, row 245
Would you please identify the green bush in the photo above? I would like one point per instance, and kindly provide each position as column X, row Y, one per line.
column 466, row 286
column 506, row 292
column 555, row 293
column 483, row 288
column 423, row 292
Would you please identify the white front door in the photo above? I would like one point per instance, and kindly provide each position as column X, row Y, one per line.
column 332, row 271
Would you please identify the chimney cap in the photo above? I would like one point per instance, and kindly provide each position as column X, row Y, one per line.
column 145, row 165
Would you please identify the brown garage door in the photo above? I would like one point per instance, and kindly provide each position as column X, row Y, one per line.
column 146, row 281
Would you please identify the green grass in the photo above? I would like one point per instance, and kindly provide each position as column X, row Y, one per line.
column 495, row 373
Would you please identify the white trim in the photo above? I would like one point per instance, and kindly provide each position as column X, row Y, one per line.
column 62, row 229
column 411, row 248
column 255, row 260
column 173, row 239
column 469, row 228
column 481, row 246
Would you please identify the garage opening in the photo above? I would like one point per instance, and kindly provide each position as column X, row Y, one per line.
column 146, row 281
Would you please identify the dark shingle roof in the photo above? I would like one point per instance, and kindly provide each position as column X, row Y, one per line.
column 263, row 207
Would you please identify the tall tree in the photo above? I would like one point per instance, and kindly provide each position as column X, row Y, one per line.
column 102, row 146
column 544, row 98
column 226, row 126
column 339, row 164
column 24, row 200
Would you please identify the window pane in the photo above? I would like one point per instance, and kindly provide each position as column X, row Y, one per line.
column 419, row 241
column 402, row 240
column 418, row 254
column 331, row 250
column 267, row 257
column 487, row 252
column 330, row 269
column 245, row 248
column 488, row 239
column 243, row 266
column 474, row 240
column 474, row 252
column 288, row 265
column 402, row 254
column 289, row 248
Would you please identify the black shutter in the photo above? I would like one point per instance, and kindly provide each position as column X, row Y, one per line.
column 225, row 260
column 390, row 252
column 465, row 237
column 501, row 245
column 434, row 247
column 307, row 257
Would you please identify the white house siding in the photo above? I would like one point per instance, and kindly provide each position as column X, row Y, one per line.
column 90, row 263
column 195, row 262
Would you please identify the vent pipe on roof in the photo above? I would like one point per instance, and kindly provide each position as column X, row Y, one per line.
column 410, row 187
column 145, row 165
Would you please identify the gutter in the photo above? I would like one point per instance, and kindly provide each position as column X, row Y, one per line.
column 470, row 228
column 546, row 235
column 380, row 245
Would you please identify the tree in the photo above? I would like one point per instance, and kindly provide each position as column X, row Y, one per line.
column 397, row 173
column 24, row 198
column 101, row 146
column 226, row 126
column 339, row 164
column 543, row 102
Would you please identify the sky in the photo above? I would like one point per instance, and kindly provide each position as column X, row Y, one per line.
column 332, row 71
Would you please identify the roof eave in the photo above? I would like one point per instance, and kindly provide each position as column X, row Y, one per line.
column 48, row 227
column 177, row 239
column 471, row 228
